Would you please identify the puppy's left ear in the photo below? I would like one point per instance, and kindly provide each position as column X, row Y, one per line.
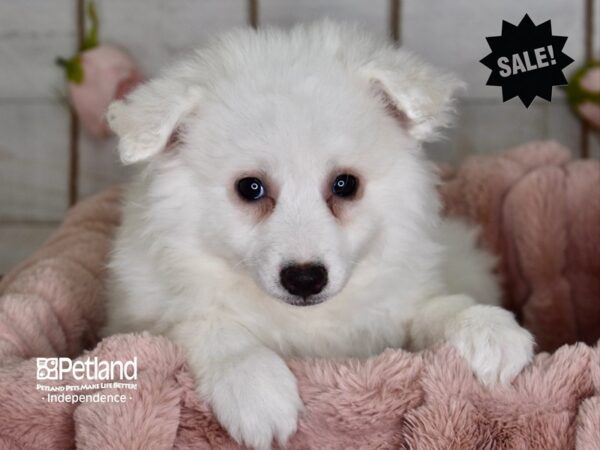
column 416, row 94
column 147, row 120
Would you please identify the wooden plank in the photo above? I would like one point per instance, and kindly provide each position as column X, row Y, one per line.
column 19, row 240
column 451, row 34
column 33, row 160
column 372, row 14
column 487, row 126
column 99, row 165
column 32, row 34
column 596, row 25
column 563, row 126
column 156, row 32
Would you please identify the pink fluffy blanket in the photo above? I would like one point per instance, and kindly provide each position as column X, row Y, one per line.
column 540, row 213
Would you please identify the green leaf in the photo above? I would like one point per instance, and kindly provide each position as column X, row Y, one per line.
column 73, row 68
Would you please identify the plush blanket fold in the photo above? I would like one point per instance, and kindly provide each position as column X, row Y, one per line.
column 540, row 213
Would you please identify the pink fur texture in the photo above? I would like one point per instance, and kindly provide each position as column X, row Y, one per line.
column 540, row 212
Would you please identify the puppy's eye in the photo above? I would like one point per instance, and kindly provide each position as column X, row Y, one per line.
column 345, row 185
column 251, row 189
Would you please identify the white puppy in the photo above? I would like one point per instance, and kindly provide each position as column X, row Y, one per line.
column 285, row 208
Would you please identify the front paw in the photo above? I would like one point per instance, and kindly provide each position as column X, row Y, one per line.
column 496, row 347
column 256, row 400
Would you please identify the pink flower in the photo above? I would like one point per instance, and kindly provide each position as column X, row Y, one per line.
column 591, row 80
column 108, row 74
column 590, row 112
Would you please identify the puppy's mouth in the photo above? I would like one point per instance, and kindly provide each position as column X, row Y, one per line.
column 304, row 301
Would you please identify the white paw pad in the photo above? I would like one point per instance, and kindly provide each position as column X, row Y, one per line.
column 496, row 347
column 257, row 401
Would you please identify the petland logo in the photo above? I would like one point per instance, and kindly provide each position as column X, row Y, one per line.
column 87, row 381
column 55, row 369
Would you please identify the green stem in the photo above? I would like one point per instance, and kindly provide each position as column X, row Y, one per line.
column 91, row 38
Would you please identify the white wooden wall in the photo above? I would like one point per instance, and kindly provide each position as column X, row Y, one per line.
column 34, row 121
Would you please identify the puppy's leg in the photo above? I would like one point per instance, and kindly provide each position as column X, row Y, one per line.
column 251, row 390
column 488, row 337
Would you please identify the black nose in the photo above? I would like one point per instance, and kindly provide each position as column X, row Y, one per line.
column 304, row 280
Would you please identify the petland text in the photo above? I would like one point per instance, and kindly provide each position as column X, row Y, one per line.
column 92, row 369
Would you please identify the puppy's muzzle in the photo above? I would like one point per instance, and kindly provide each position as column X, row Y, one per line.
column 304, row 280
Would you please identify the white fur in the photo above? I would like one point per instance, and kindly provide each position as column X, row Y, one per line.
column 191, row 262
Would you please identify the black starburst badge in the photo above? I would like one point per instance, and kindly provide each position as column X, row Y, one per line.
column 526, row 60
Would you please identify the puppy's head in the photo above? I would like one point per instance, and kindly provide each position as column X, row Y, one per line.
column 293, row 157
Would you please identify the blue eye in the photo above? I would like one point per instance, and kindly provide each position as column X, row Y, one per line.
column 251, row 189
column 345, row 185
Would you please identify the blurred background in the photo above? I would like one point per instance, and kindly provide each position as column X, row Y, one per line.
column 48, row 159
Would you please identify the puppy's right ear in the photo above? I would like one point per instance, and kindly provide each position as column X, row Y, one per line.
column 147, row 119
column 419, row 96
